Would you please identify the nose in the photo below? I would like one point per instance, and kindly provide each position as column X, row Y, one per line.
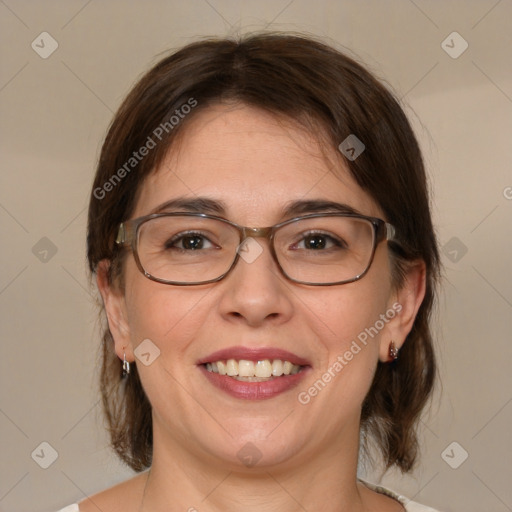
column 255, row 292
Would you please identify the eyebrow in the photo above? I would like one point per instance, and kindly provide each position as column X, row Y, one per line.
column 317, row 206
column 217, row 207
column 193, row 205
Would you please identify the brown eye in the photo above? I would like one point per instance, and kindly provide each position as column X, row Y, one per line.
column 189, row 242
column 315, row 242
column 318, row 242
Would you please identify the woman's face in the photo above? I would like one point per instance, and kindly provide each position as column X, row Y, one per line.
column 255, row 167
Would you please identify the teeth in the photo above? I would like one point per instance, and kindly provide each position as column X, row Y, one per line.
column 245, row 368
column 252, row 379
column 287, row 367
column 251, row 371
column 221, row 366
column 277, row 368
column 263, row 369
column 231, row 367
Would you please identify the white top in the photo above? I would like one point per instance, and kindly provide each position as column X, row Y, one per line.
column 410, row 506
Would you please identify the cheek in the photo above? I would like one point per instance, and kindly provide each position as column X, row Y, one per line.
column 348, row 324
column 343, row 314
column 161, row 312
column 348, row 351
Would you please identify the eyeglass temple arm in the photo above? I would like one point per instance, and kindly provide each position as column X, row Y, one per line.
column 125, row 233
column 390, row 231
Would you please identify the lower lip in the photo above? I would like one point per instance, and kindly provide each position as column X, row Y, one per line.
column 254, row 390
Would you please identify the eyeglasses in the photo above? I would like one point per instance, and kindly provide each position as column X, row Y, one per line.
column 186, row 249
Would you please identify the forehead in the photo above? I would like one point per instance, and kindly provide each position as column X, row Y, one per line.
column 253, row 162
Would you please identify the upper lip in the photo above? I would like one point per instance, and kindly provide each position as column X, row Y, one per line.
column 254, row 354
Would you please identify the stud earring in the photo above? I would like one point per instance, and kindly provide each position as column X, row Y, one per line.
column 393, row 352
column 126, row 366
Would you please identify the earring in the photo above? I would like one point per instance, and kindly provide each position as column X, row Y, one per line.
column 393, row 352
column 126, row 366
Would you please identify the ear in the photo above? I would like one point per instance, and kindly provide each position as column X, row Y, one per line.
column 115, row 307
column 405, row 302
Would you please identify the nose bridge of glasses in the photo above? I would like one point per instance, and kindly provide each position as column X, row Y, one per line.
column 256, row 232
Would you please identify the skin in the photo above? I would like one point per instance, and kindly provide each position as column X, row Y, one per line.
column 255, row 164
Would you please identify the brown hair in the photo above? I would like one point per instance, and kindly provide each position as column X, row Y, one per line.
column 304, row 80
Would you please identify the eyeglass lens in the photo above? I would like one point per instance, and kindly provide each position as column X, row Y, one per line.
column 192, row 249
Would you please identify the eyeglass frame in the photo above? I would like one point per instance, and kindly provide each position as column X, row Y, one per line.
column 128, row 236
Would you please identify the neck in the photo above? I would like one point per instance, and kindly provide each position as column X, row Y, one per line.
column 320, row 479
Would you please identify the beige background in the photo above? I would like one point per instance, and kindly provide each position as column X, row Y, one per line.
column 54, row 113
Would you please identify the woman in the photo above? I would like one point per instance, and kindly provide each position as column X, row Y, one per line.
column 260, row 232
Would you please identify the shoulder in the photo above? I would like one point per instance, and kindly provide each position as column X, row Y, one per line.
column 409, row 506
column 122, row 497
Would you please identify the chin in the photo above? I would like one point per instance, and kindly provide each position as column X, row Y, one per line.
column 261, row 450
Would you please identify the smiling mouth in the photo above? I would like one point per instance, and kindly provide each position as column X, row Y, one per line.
column 253, row 371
